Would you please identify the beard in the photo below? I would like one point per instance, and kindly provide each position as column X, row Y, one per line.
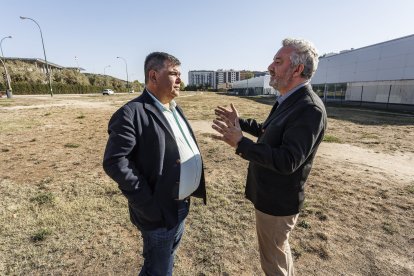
column 279, row 83
column 273, row 83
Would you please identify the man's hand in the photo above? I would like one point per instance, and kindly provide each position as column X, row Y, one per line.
column 222, row 113
column 230, row 130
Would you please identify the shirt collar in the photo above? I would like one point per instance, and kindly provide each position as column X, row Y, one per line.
column 159, row 105
column 281, row 99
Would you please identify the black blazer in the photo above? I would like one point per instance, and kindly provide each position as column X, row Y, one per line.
column 281, row 159
column 143, row 158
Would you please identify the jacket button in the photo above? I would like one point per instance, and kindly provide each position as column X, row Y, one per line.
column 178, row 161
column 263, row 130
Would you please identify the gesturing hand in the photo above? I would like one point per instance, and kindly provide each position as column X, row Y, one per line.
column 232, row 115
column 230, row 131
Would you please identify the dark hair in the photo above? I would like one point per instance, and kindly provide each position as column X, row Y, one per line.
column 156, row 60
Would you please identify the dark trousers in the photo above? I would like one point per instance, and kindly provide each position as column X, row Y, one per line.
column 160, row 245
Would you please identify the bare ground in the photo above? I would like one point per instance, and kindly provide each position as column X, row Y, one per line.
column 60, row 214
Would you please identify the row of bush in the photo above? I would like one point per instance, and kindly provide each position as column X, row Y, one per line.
column 27, row 88
column 26, row 78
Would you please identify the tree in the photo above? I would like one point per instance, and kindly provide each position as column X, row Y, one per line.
column 182, row 86
column 249, row 75
column 137, row 86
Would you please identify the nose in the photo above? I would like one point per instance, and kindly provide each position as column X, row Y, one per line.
column 270, row 66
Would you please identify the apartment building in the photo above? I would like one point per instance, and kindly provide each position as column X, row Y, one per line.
column 202, row 78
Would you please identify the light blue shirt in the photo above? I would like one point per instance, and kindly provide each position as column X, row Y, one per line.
column 190, row 158
column 281, row 99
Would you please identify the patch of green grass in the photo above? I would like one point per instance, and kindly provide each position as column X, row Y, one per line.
column 331, row 139
column 47, row 114
column 304, row 224
column 410, row 189
column 5, row 150
column 72, row 145
column 369, row 135
column 43, row 198
column 80, row 117
column 40, row 235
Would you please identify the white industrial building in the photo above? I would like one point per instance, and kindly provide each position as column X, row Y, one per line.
column 379, row 74
column 253, row 86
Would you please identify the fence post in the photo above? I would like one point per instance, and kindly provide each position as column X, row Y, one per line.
column 389, row 94
column 362, row 91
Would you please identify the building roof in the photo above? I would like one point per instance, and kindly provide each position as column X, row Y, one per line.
column 75, row 68
column 373, row 45
column 39, row 60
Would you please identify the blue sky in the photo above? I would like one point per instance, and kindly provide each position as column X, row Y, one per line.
column 211, row 35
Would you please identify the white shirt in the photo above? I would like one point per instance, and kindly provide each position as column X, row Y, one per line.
column 190, row 157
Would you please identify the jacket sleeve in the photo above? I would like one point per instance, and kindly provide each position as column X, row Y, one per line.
column 118, row 163
column 250, row 126
column 301, row 136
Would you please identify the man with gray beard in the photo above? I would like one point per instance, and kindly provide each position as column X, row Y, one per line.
column 281, row 158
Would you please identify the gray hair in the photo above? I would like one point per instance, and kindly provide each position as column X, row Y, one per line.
column 304, row 53
column 155, row 61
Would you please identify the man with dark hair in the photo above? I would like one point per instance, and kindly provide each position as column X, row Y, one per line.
column 153, row 156
column 282, row 157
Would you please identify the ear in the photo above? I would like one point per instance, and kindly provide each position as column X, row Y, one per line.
column 152, row 76
column 299, row 69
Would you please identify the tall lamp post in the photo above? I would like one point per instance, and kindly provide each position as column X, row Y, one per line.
column 2, row 42
column 44, row 52
column 7, row 79
column 126, row 66
column 77, row 63
column 9, row 92
column 105, row 69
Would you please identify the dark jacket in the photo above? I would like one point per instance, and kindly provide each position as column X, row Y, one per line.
column 281, row 160
column 143, row 158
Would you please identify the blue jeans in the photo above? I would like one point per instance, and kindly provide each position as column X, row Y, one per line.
column 160, row 245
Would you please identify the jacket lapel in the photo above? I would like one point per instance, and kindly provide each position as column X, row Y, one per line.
column 149, row 104
column 286, row 104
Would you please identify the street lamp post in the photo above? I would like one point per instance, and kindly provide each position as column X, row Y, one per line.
column 105, row 69
column 7, row 79
column 44, row 53
column 126, row 66
column 77, row 63
column 9, row 92
column 2, row 42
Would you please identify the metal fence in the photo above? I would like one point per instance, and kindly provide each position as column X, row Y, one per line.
column 384, row 95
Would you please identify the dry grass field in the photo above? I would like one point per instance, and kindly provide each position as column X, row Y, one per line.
column 61, row 215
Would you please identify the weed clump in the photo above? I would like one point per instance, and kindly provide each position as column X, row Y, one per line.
column 40, row 235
